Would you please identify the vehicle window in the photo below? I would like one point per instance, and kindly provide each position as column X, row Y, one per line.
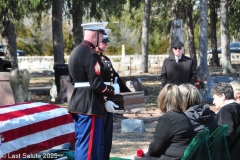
column 1, row 48
column 234, row 44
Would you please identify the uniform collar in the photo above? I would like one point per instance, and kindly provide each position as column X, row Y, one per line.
column 88, row 43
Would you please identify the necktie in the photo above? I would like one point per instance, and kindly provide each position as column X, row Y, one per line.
column 177, row 61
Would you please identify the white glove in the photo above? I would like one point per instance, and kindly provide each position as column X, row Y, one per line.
column 116, row 88
column 109, row 105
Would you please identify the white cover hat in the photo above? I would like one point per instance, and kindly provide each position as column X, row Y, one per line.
column 105, row 37
column 94, row 26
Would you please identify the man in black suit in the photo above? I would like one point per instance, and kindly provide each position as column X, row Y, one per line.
column 178, row 68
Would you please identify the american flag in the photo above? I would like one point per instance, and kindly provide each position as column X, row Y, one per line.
column 29, row 128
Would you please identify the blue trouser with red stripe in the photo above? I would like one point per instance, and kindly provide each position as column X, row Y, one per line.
column 107, row 134
column 88, row 132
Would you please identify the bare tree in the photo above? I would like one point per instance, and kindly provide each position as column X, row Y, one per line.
column 174, row 24
column 77, row 14
column 202, row 69
column 174, row 9
column 145, row 34
column 225, row 38
column 190, row 32
column 13, row 11
column 58, row 45
column 9, row 40
column 213, row 30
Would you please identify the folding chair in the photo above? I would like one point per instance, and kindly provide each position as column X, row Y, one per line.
column 198, row 147
column 234, row 149
column 218, row 144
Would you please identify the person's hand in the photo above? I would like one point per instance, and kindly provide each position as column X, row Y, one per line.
column 109, row 105
column 116, row 88
column 110, row 89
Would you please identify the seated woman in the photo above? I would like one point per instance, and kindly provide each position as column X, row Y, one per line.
column 174, row 130
column 199, row 114
column 236, row 89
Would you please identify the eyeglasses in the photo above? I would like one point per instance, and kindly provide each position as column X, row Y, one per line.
column 179, row 48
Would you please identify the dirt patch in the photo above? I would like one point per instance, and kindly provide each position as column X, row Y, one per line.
column 126, row 144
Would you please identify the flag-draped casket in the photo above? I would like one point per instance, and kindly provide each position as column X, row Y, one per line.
column 29, row 128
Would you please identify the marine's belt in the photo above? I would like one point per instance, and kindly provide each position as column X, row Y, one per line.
column 86, row 84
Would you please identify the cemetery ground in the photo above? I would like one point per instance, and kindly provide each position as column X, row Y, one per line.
column 126, row 144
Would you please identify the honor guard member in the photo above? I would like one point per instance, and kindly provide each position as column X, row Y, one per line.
column 110, row 75
column 87, row 101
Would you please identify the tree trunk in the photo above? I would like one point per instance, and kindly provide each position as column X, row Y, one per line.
column 190, row 33
column 174, row 11
column 9, row 41
column 202, row 69
column 77, row 13
column 176, row 33
column 225, row 38
column 145, row 33
column 213, row 31
column 58, row 45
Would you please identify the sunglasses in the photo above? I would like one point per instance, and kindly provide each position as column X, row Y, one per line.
column 179, row 48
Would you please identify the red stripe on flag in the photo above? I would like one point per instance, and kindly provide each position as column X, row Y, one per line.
column 25, row 112
column 36, row 148
column 36, row 127
column 91, row 138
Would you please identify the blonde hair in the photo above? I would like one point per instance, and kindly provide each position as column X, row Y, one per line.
column 236, row 86
column 191, row 95
column 170, row 99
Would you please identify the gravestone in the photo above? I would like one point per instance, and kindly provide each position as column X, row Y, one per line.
column 5, row 89
column 123, row 52
column 5, row 65
column 19, row 82
column 211, row 81
column 60, row 70
column 133, row 126
column 66, row 89
column 137, row 83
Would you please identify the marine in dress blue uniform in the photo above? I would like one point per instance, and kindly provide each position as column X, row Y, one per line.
column 109, row 76
column 87, row 101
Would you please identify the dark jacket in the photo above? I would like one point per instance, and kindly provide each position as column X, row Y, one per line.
column 110, row 74
column 229, row 115
column 183, row 72
column 85, row 66
column 173, row 134
column 201, row 117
